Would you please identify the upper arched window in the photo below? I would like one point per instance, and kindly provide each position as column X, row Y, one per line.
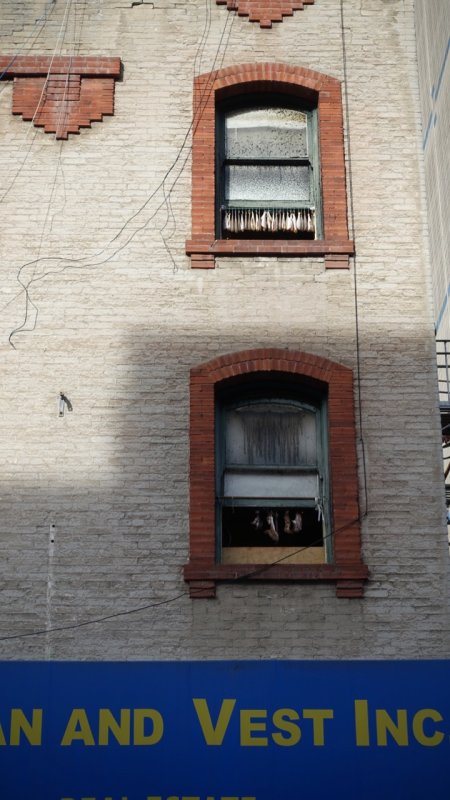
column 267, row 171
column 268, row 166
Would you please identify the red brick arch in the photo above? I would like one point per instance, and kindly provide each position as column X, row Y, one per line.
column 347, row 571
column 251, row 79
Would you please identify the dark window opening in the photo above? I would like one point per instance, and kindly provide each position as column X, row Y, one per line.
column 277, row 526
column 272, row 475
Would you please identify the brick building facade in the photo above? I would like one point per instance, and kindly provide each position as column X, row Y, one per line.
column 125, row 293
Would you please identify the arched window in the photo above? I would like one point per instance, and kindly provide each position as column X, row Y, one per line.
column 273, row 478
column 268, row 166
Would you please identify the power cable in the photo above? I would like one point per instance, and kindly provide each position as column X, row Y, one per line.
column 256, row 571
column 170, row 217
column 28, row 301
column 169, row 203
column 75, row 263
column 44, row 19
column 38, row 107
column 355, row 262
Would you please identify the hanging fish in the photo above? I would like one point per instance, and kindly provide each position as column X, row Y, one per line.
column 297, row 523
column 271, row 529
column 257, row 522
column 319, row 509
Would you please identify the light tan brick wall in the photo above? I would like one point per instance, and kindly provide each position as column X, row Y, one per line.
column 123, row 319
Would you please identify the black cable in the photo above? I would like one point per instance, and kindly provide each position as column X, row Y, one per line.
column 205, row 94
column 355, row 265
column 28, row 301
column 138, row 609
column 92, row 621
column 75, row 263
column 44, row 19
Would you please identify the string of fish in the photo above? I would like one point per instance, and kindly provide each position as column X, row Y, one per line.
column 273, row 221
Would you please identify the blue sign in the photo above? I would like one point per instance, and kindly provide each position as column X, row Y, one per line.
column 241, row 730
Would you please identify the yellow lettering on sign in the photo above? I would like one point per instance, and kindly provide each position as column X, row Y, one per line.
column 78, row 729
column 249, row 726
column 107, row 723
column 362, row 723
column 318, row 716
column 214, row 734
column 282, row 719
column 141, row 715
column 398, row 729
column 31, row 730
column 428, row 741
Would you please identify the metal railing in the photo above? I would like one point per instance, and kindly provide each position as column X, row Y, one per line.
column 443, row 367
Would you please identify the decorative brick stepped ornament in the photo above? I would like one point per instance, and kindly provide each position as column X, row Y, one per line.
column 62, row 94
column 265, row 11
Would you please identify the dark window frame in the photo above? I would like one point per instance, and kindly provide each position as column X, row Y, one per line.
column 312, row 160
column 258, row 392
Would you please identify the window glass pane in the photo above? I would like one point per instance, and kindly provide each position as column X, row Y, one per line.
column 266, row 133
column 266, row 484
column 264, row 434
column 267, row 184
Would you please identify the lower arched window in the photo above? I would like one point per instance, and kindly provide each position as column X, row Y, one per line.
column 272, row 488
column 273, row 472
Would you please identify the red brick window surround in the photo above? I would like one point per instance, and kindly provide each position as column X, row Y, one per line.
column 257, row 80
column 64, row 93
column 204, row 569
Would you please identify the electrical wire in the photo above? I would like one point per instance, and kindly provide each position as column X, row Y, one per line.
column 28, row 301
column 61, row 32
column 203, row 39
column 355, row 264
column 44, row 19
column 170, row 216
column 167, row 196
column 77, row 263
column 256, row 571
